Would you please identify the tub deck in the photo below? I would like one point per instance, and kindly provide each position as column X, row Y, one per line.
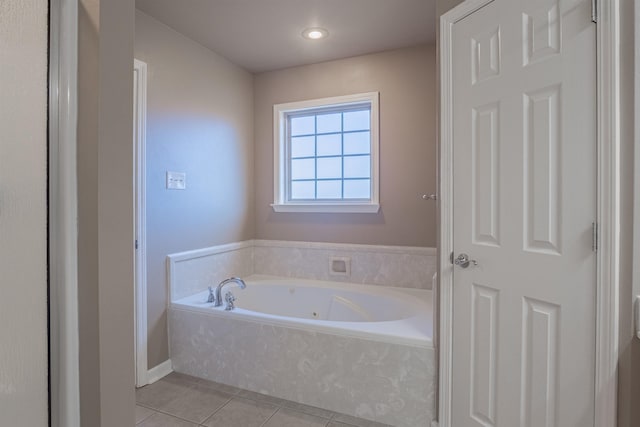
column 415, row 329
column 382, row 371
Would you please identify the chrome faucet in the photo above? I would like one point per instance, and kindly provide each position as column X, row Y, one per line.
column 218, row 295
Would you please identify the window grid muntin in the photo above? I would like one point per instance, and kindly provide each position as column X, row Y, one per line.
column 315, row 113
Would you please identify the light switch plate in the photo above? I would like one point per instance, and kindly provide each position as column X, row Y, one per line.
column 176, row 180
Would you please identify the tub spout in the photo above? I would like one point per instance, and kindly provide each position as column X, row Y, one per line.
column 237, row 280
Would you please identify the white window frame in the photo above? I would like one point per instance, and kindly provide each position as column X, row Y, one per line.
column 281, row 202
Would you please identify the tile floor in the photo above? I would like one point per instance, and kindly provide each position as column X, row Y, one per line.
column 179, row 400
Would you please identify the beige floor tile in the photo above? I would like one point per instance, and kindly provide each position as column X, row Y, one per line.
column 159, row 393
column 220, row 387
column 181, row 379
column 337, row 424
column 143, row 413
column 358, row 422
column 196, row 404
column 312, row 410
column 260, row 397
column 163, row 420
column 289, row 418
column 241, row 412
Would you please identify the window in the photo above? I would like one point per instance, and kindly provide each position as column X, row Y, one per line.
column 326, row 155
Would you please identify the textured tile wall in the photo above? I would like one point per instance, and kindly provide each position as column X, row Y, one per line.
column 389, row 383
column 408, row 267
column 192, row 272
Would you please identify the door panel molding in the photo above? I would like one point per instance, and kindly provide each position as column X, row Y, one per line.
column 540, row 333
column 484, row 347
column 608, row 208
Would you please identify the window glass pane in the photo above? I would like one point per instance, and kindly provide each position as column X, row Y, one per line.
column 330, row 145
column 330, row 189
column 357, row 167
column 357, row 143
column 356, row 120
column 303, row 125
column 303, row 169
column 330, row 123
column 330, row 167
column 329, row 152
column 303, row 146
column 357, row 189
column 303, row 190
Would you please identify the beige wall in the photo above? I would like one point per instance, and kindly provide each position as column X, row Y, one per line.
column 199, row 121
column 23, row 213
column 443, row 6
column 105, row 212
column 115, row 218
column 87, row 154
column 405, row 79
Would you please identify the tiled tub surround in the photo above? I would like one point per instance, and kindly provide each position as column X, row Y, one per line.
column 397, row 266
column 193, row 271
column 382, row 371
column 385, row 379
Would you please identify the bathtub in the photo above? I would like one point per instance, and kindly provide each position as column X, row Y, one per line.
column 361, row 350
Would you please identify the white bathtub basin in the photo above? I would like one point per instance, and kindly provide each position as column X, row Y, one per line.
column 394, row 315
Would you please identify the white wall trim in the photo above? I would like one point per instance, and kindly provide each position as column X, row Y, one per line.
column 445, row 273
column 408, row 250
column 140, row 228
column 158, row 372
column 324, row 207
column 608, row 64
column 63, row 215
column 608, row 260
column 213, row 250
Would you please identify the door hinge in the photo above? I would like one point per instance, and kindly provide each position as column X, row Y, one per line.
column 451, row 258
column 594, row 11
column 594, row 236
column 136, row 243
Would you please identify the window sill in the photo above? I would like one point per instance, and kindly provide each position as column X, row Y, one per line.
column 327, row 207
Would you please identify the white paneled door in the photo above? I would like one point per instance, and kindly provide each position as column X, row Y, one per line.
column 524, row 179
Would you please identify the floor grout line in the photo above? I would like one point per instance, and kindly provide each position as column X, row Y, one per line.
column 272, row 415
column 174, row 416
column 217, row 410
column 153, row 411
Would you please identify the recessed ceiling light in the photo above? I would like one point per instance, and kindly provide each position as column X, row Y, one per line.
column 315, row 33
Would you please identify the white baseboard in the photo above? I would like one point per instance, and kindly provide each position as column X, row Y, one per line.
column 158, row 372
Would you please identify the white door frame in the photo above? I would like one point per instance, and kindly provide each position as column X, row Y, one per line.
column 140, row 226
column 608, row 210
column 64, row 365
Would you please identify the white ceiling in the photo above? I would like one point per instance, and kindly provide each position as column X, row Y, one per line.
column 263, row 35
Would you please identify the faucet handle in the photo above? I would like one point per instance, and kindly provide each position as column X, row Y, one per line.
column 229, row 299
column 212, row 297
